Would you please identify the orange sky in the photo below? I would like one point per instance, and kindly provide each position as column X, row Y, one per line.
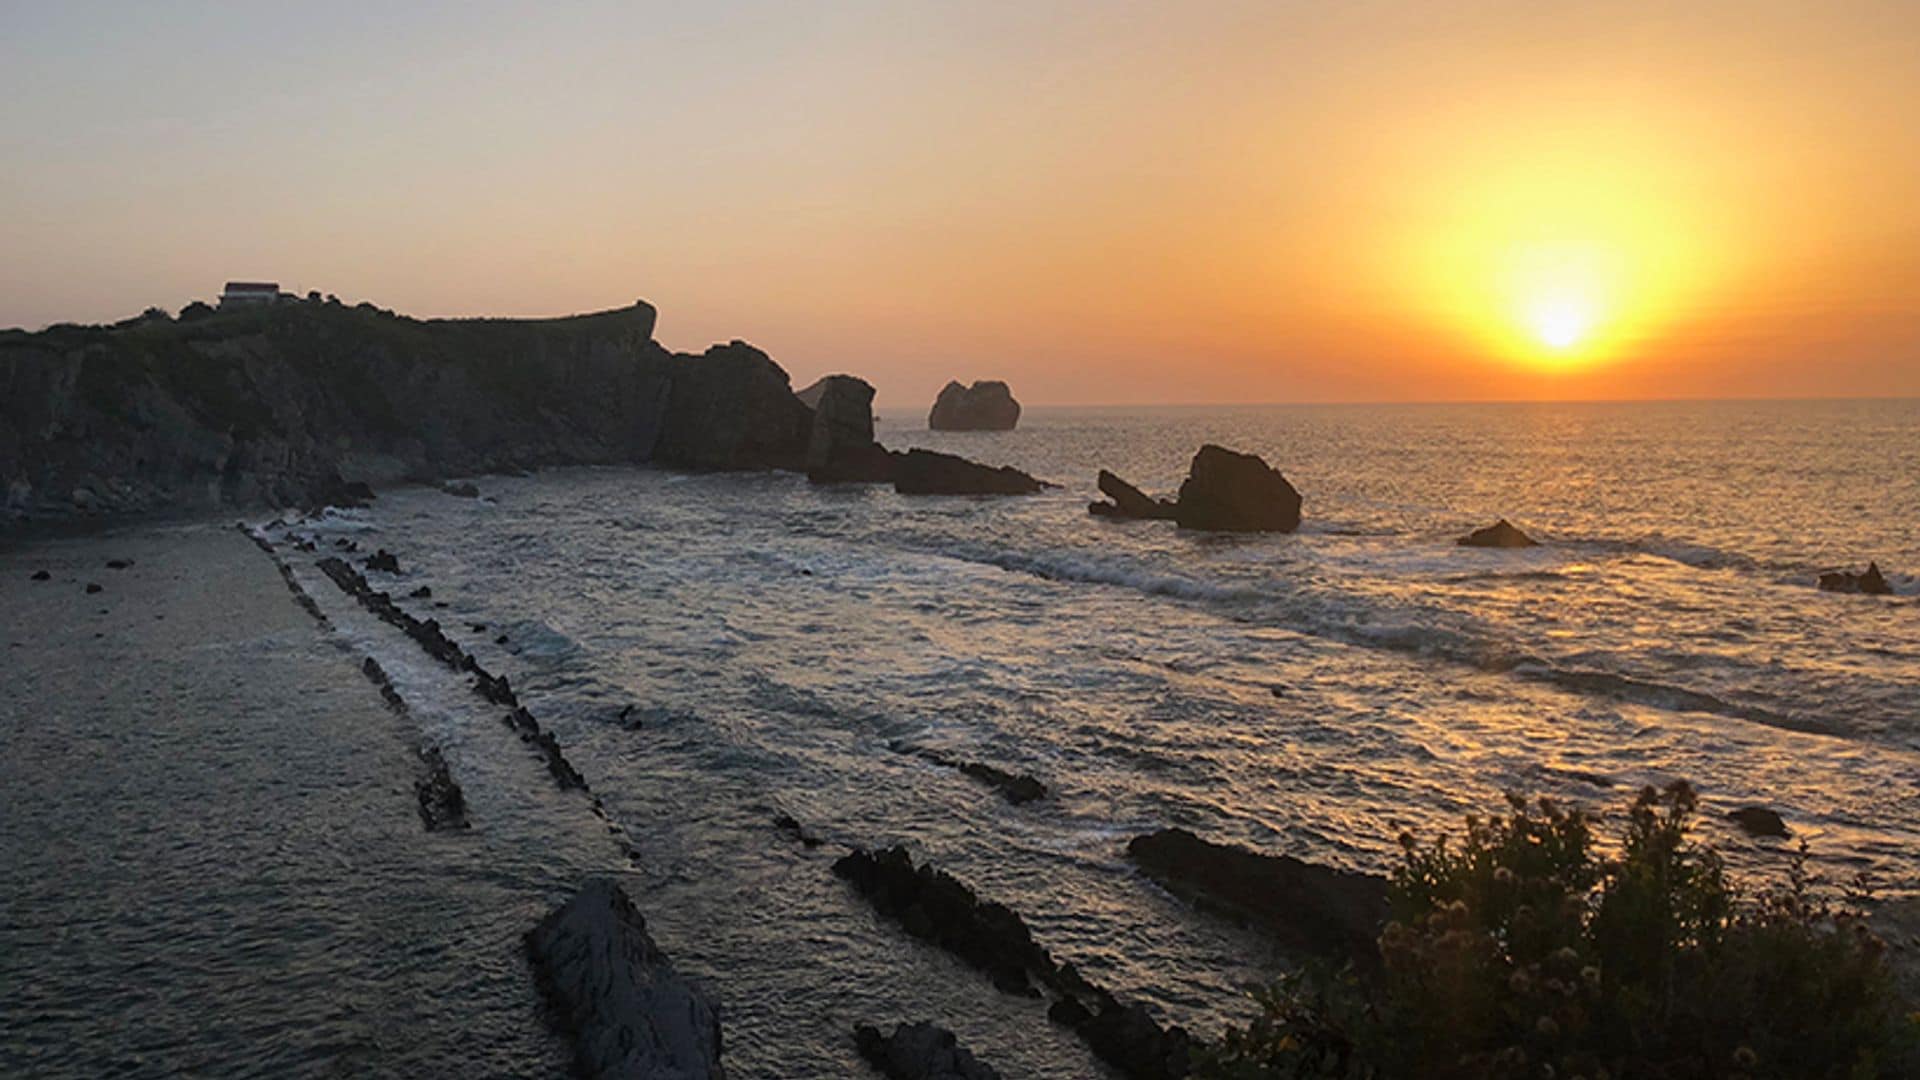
column 1110, row 202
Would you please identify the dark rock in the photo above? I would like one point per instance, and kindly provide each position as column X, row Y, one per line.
column 1227, row 491
column 383, row 560
column 421, row 593
column 1500, row 534
column 919, row 1052
column 932, row 905
column 1128, row 1038
column 616, row 994
column 501, row 640
column 442, row 804
column 41, row 575
column 1129, row 501
column 1869, row 581
column 840, row 448
column 331, row 490
column 478, row 627
column 927, row 472
column 985, row 406
column 1016, row 789
column 1332, row 912
column 465, row 489
column 119, row 564
column 92, row 587
column 790, row 825
column 1758, row 821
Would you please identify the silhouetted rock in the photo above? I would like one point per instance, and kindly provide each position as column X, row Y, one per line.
column 383, row 560
column 919, row 1052
column 1870, row 581
column 1130, row 1039
column 331, row 490
column 1758, row 821
column 927, row 472
column 1331, row 912
column 615, row 993
column 1500, row 534
column 985, row 406
column 841, row 447
column 464, row 489
column 1129, row 501
column 1227, row 491
column 1016, row 789
column 421, row 593
column 93, row 587
column 119, row 564
column 41, row 575
column 442, row 804
column 790, row 825
column 930, row 904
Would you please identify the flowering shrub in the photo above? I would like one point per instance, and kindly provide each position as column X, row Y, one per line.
column 1525, row 951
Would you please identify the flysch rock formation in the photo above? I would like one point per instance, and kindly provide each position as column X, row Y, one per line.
column 987, row 405
column 617, row 996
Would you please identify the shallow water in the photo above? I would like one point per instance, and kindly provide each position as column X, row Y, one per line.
column 780, row 646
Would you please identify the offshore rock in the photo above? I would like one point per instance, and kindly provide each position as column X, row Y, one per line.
column 928, row 472
column 1869, row 581
column 985, row 406
column 840, row 448
column 1500, row 534
column 920, row 1052
column 1758, row 821
column 933, row 906
column 442, row 804
column 1331, row 912
column 1227, row 491
column 1129, row 501
column 615, row 993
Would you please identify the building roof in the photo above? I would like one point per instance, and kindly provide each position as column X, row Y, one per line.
column 253, row 286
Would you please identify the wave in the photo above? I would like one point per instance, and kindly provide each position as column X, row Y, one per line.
column 1662, row 696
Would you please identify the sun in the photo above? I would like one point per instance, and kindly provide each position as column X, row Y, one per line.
column 1561, row 322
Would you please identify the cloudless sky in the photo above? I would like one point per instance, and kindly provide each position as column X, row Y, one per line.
column 1101, row 202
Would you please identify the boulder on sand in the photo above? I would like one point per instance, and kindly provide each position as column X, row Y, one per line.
column 1227, row 491
column 985, row 406
column 1334, row 913
column 1870, row 581
column 630, row 1015
column 1500, row 534
column 840, row 449
column 920, row 1052
column 928, row 472
column 1128, row 501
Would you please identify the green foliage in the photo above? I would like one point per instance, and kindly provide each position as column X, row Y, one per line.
column 1525, row 951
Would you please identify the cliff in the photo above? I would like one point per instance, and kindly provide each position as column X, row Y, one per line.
column 278, row 405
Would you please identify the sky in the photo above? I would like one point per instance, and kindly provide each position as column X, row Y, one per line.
column 1109, row 202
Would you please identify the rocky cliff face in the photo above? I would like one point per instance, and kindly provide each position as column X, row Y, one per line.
column 275, row 405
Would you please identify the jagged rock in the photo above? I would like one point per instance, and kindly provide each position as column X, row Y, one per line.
column 331, row 490
column 1869, row 581
column 1758, row 821
column 42, row 575
column 615, row 993
column 928, row 472
column 1327, row 911
column 1014, row 788
column 733, row 408
column 93, row 587
column 421, row 593
column 1129, row 501
column 919, row 1052
column 465, row 489
column 790, row 825
column 1130, row 1039
column 932, row 905
column 383, row 560
column 442, row 804
column 1500, row 534
column 985, row 406
column 841, row 448
column 1227, row 491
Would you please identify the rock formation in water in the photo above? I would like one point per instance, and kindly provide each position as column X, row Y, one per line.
column 840, row 446
column 298, row 404
column 1500, row 534
column 919, row 1052
column 442, row 804
column 1314, row 908
column 1869, row 581
column 928, row 472
column 629, row 1014
column 1127, row 501
column 984, row 406
column 1227, row 491
column 1758, row 821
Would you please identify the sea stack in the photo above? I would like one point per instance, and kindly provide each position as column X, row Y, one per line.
column 1500, row 534
column 985, row 406
column 840, row 448
column 1226, row 491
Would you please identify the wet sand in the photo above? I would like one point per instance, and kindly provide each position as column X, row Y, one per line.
column 212, row 858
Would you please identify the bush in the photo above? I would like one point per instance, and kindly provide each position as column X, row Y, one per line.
column 1526, row 951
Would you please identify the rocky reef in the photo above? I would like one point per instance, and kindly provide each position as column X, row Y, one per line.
column 920, row 1051
column 929, row 472
column 302, row 403
column 1869, row 581
column 1500, row 534
column 1225, row 491
column 987, row 405
column 616, row 994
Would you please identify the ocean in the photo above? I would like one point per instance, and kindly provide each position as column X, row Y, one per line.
column 714, row 650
